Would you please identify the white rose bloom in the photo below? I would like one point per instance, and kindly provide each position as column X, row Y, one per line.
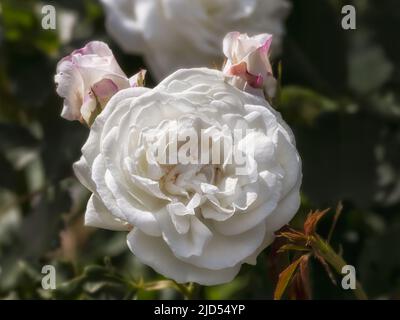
column 174, row 34
column 190, row 222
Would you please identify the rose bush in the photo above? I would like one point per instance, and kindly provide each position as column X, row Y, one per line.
column 176, row 34
column 190, row 222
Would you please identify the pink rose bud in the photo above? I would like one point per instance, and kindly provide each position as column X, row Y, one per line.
column 248, row 67
column 87, row 79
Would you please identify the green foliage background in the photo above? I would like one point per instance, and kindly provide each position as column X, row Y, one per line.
column 340, row 94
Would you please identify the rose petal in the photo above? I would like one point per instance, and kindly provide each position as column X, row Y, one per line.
column 154, row 252
column 97, row 215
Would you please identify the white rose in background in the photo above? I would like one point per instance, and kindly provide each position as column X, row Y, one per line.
column 190, row 222
column 248, row 64
column 88, row 78
column 174, row 34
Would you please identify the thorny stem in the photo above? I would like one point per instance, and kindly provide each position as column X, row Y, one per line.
column 337, row 262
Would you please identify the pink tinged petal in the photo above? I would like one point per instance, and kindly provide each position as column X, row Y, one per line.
column 251, row 44
column 258, row 63
column 254, row 81
column 240, row 70
column 104, row 90
column 94, row 47
column 266, row 46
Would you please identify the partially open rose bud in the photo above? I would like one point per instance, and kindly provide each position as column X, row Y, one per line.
column 88, row 78
column 248, row 66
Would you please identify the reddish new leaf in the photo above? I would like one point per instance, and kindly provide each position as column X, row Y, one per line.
column 304, row 274
column 284, row 279
column 293, row 236
column 310, row 225
column 300, row 288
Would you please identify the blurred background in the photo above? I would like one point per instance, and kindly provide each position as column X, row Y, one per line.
column 339, row 93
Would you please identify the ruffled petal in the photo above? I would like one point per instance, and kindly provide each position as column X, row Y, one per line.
column 98, row 216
